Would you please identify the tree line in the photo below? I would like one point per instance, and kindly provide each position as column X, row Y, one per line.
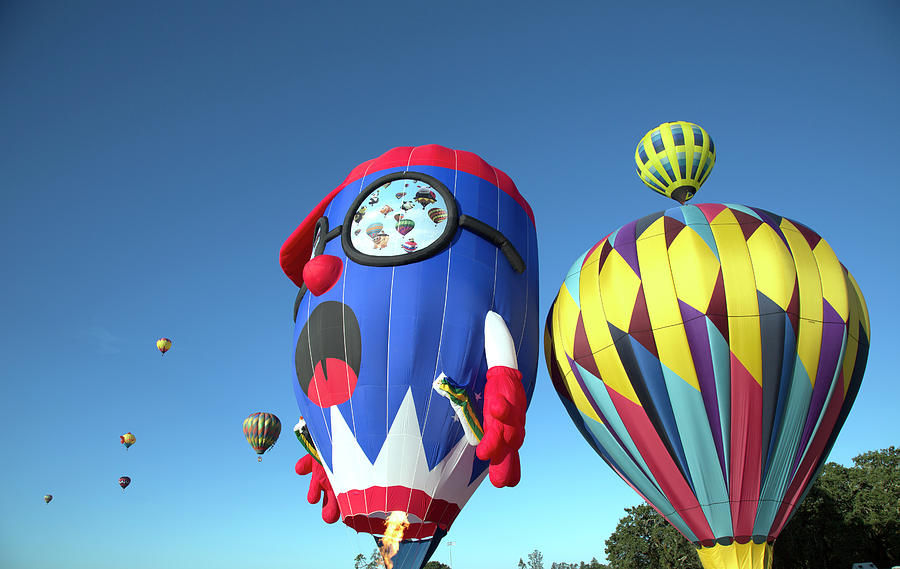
column 850, row 515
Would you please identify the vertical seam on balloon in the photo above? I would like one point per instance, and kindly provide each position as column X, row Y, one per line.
column 527, row 282
column 689, row 476
column 313, row 367
column 784, row 484
column 387, row 375
column 496, row 249
column 462, row 451
column 731, row 472
column 437, row 362
column 696, row 452
column 648, row 473
column 797, row 454
column 344, row 332
column 362, row 185
column 409, row 158
column 387, row 386
column 820, row 318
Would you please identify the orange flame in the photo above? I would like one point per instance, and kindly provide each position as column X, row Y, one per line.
column 397, row 522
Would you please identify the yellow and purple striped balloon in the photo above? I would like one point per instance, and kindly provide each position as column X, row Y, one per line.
column 710, row 354
column 163, row 345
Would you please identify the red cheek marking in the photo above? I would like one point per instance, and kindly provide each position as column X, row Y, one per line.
column 332, row 385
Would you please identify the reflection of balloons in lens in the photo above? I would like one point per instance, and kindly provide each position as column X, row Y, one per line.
column 357, row 217
column 261, row 431
column 410, row 245
column 675, row 159
column 386, row 210
column 47, row 498
column 127, row 439
column 374, row 229
column 710, row 354
column 437, row 215
column 163, row 345
column 404, row 226
column 356, row 231
column 124, row 481
column 399, row 195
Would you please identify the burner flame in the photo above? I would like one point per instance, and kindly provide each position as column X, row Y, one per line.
column 397, row 522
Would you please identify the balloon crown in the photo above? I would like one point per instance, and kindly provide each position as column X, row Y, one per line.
column 675, row 159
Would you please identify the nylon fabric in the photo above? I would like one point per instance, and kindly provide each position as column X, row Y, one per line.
column 389, row 441
column 710, row 355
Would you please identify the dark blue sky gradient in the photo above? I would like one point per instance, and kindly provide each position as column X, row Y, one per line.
column 155, row 155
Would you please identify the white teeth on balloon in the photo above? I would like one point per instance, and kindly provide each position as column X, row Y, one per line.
column 401, row 460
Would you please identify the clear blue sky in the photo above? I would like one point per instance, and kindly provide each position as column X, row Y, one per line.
column 155, row 155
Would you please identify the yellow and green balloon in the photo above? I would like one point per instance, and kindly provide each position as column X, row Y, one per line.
column 675, row 158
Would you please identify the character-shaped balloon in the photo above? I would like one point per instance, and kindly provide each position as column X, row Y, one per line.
column 127, row 439
column 410, row 245
column 415, row 361
column 381, row 240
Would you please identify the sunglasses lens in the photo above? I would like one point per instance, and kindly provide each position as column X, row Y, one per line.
column 397, row 218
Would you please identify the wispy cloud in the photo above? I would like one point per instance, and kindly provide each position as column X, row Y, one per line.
column 102, row 341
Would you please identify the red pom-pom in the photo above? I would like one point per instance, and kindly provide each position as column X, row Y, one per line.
column 321, row 273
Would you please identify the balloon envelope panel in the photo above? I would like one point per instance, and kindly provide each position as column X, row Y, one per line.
column 710, row 355
column 369, row 349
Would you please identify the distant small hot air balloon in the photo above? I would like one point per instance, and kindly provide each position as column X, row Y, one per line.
column 404, row 226
column 399, row 195
column 374, row 229
column 163, row 345
column 437, row 214
column 47, row 498
column 124, row 481
column 410, row 245
column 262, row 430
column 127, row 439
column 675, row 159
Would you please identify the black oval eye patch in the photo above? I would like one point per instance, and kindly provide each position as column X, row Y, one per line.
column 329, row 354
